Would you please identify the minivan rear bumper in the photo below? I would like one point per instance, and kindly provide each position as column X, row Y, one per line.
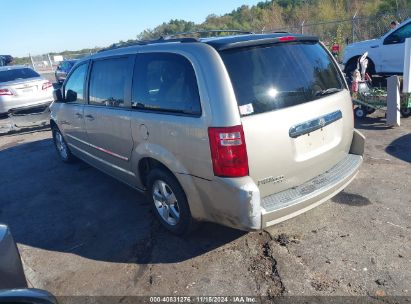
column 292, row 202
column 236, row 202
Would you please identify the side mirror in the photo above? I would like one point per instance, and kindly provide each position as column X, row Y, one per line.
column 71, row 96
column 57, row 95
column 11, row 270
column 392, row 39
column 13, row 284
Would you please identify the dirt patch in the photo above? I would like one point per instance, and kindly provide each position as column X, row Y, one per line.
column 351, row 199
column 207, row 271
column 263, row 266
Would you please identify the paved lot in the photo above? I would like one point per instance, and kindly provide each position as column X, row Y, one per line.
column 82, row 233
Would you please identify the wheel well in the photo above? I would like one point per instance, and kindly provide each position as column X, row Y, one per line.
column 146, row 165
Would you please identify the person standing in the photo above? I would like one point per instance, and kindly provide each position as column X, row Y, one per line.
column 394, row 24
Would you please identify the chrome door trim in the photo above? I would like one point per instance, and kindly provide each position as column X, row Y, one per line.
column 314, row 124
column 102, row 160
column 99, row 148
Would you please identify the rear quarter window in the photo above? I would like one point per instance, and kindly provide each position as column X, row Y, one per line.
column 268, row 78
column 165, row 82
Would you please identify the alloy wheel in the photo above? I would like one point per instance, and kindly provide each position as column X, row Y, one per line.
column 165, row 202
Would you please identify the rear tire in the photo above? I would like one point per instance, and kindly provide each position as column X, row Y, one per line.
column 169, row 202
column 61, row 146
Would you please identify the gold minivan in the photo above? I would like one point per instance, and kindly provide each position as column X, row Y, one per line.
column 243, row 130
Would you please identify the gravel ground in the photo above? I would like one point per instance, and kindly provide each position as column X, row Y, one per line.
column 81, row 232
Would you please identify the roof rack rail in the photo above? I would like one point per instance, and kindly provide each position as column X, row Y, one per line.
column 170, row 36
column 120, row 45
column 146, row 42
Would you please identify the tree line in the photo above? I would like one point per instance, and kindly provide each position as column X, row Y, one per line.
column 373, row 17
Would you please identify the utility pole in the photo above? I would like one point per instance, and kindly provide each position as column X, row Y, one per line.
column 397, row 13
column 51, row 64
column 353, row 26
column 32, row 62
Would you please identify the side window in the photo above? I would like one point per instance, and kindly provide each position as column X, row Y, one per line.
column 74, row 88
column 108, row 82
column 399, row 35
column 165, row 82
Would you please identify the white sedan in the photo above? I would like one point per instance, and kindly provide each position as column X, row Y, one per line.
column 22, row 87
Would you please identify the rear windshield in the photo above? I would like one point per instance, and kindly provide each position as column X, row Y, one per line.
column 268, row 78
column 15, row 74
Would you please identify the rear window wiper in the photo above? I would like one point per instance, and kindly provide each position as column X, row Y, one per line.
column 327, row 92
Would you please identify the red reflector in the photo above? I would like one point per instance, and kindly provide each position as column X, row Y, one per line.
column 286, row 38
column 46, row 85
column 228, row 151
column 5, row 92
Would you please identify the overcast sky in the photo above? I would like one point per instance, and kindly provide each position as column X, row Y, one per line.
column 41, row 26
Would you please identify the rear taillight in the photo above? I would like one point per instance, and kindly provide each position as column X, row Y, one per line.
column 5, row 92
column 228, row 151
column 46, row 85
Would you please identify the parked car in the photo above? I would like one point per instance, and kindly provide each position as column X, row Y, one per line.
column 245, row 131
column 5, row 60
column 385, row 54
column 13, row 283
column 22, row 87
column 63, row 69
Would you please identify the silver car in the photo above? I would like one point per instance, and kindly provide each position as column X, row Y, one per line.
column 22, row 87
column 63, row 69
column 245, row 131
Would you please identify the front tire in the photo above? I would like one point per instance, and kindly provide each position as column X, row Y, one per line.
column 169, row 202
column 61, row 146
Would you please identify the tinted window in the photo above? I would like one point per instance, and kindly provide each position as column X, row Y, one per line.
column 279, row 76
column 165, row 82
column 74, row 88
column 15, row 74
column 402, row 33
column 108, row 81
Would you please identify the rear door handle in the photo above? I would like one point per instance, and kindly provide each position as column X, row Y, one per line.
column 78, row 115
column 89, row 117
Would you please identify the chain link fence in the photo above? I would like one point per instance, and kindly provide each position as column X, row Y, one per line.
column 47, row 63
column 346, row 31
column 42, row 63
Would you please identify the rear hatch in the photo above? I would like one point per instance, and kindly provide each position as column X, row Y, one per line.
column 296, row 111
